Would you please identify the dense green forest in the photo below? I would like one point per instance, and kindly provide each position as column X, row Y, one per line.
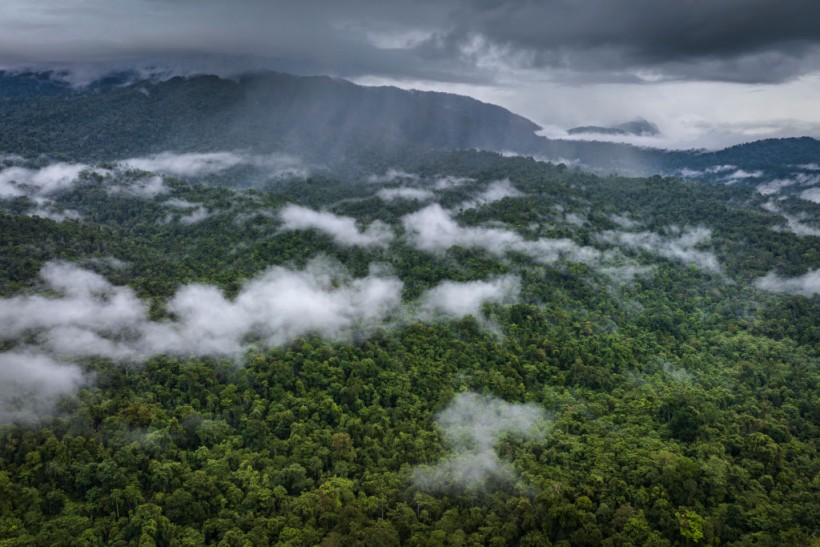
column 642, row 368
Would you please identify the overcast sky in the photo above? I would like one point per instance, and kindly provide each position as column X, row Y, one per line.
column 708, row 72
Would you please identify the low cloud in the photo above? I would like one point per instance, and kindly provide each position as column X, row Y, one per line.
column 38, row 185
column 460, row 299
column 31, row 385
column 472, row 426
column 812, row 194
column 21, row 181
column 406, row 193
column 574, row 219
column 193, row 164
column 433, row 229
column 624, row 221
column 496, row 191
column 740, row 174
column 80, row 314
column 798, row 179
column 194, row 212
column 624, row 275
column 47, row 210
column 774, row 186
column 794, row 223
column 680, row 245
column 714, row 170
column 198, row 164
column 342, row 229
column 806, row 285
column 186, row 165
column 392, row 175
column 178, row 203
column 450, row 182
column 88, row 316
column 194, row 217
column 145, row 187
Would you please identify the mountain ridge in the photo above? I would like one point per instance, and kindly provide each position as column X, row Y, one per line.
column 324, row 120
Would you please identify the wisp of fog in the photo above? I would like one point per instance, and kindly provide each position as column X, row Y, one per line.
column 472, row 425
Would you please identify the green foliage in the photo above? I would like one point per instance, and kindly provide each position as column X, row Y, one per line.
column 685, row 403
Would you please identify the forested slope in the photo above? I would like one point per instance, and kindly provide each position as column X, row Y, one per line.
column 515, row 353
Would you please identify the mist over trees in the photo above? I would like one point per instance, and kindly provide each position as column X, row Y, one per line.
column 458, row 348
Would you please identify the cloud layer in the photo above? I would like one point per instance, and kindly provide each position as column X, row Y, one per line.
column 342, row 229
column 472, row 426
column 807, row 284
column 83, row 315
column 433, row 229
column 20, row 181
column 460, row 299
column 681, row 245
column 454, row 40
column 32, row 384
column 199, row 164
column 496, row 191
column 91, row 317
column 794, row 223
column 407, row 193
column 39, row 185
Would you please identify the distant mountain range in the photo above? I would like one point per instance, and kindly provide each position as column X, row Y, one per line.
column 638, row 127
column 320, row 119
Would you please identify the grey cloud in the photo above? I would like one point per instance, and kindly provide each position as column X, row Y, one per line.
column 145, row 187
column 191, row 164
column 730, row 40
column 89, row 316
column 197, row 164
column 39, row 184
column 392, row 175
column 472, row 425
column 812, row 194
column 799, row 179
column 450, row 182
column 342, row 229
column 83, row 315
column 31, row 384
column 807, row 284
column 277, row 307
column 196, row 216
column 740, row 174
column 495, row 191
column 193, row 212
column 433, row 229
column 574, row 219
column 692, row 173
column 407, row 193
column 626, row 274
column 339, row 38
column 460, row 299
column 177, row 203
column 624, row 221
column 450, row 40
column 87, row 302
column 681, row 245
column 774, row 186
column 794, row 223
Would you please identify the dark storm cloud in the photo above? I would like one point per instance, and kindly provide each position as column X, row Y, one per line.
column 217, row 35
column 734, row 40
column 446, row 40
